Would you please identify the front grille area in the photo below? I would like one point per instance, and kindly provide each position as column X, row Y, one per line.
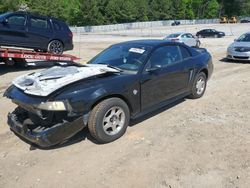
column 241, row 57
column 242, row 49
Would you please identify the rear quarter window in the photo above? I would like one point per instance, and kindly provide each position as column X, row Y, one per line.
column 185, row 52
column 57, row 26
column 60, row 26
column 39, row 23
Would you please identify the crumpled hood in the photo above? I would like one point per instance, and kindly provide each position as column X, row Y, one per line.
column 47, row 81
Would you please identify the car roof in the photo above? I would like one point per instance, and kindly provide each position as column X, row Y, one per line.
column 148, row 42
column 209, row 29
column 179, row 33
column 36, row 14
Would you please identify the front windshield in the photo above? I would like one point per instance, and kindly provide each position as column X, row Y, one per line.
column 175, row 35
column 128, row 57
column 244, row 38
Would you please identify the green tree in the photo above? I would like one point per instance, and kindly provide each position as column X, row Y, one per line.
column 161, row 10
column 96, row 12
column 212, row 9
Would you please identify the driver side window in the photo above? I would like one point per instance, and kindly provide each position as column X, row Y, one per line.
column 18, row 20
column 164, row 56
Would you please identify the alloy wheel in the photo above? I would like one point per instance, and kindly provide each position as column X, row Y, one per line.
column 113, row 120
column 56, row 47
column 200, row 85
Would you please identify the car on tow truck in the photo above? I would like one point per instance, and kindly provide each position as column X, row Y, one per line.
column 41, row 33
column 125, row 81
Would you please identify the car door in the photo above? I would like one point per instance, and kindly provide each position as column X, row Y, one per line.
column 184, row 39
column 188, row 39
column 211, row 33
column 191, row 41
column 40, row 31
column 164, row 76
column 205, row 33
column 13, row 30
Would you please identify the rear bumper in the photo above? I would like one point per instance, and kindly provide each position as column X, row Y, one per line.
column 68, row 46
column 47, row 137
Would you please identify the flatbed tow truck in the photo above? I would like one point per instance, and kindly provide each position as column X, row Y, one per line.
column 18, row 57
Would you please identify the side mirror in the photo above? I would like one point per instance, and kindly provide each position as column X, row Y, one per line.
column 153, row 69
column 4, row 21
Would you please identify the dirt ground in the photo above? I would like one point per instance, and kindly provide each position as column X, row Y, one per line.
column 200, row 143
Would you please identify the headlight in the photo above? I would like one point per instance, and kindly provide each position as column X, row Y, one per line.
column 230, row 48
column 52, row 106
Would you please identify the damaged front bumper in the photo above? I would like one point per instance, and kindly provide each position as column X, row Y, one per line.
column 45, row 136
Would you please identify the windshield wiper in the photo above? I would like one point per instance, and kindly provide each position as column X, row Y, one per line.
column 66, row 64
column 110, row 66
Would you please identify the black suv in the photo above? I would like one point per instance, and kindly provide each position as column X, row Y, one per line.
column 22, row 29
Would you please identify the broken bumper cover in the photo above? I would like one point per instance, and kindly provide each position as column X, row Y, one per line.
column 48, row 137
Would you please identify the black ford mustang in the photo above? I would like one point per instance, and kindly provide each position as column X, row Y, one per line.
column 124, row 81
column 23, row 29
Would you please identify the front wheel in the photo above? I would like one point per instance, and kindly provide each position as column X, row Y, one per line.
column 199, row 86
column 109, row 120
column 55, row 47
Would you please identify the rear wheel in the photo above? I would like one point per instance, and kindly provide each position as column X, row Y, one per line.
column 55, row 47
column 108, row 120
column 199, row 86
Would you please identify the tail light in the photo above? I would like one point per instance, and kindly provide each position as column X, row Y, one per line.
column 70, row 34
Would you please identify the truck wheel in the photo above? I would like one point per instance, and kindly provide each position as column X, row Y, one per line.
column 55, row 47
column 199, row 86
column 20, row 62
column 108, row 120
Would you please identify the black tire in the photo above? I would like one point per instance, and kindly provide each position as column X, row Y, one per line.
column 97, row 121
column 55, row 47
column 195, row 92
column 20, row 63
column 216, row 36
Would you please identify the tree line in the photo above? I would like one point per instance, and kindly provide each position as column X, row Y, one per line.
column 99, row 12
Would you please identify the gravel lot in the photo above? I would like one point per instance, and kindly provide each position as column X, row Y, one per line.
column 192, row 143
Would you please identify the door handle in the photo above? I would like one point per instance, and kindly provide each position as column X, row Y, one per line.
column 145, row 79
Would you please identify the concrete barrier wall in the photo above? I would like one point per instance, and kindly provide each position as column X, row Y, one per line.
column 138, row 25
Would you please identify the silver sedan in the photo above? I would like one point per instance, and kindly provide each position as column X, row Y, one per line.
column 240, row 48
column 186, row 38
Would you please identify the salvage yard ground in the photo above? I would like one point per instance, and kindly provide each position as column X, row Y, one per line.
column 192, row 143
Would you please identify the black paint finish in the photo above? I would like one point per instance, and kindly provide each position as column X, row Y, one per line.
column 21, row 33
column 143, row 91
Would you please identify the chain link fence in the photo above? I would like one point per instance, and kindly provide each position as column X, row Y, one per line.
column 157, row 28
column 138, row 25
